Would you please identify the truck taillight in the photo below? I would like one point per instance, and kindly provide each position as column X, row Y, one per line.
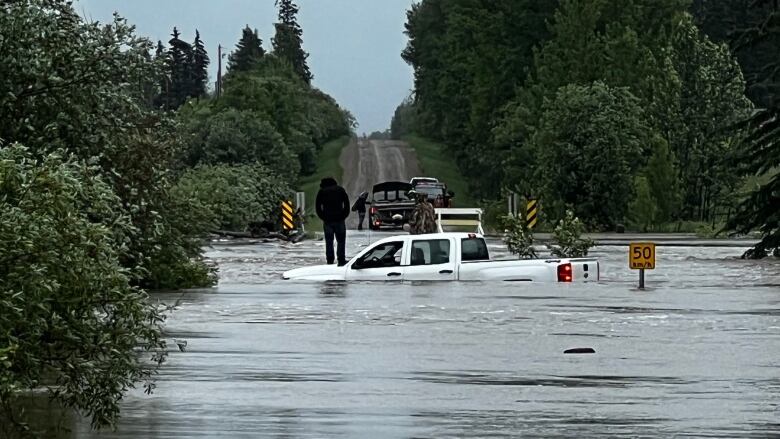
column 374, row 210
column 564, row 273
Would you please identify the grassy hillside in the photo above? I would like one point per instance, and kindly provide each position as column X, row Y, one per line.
column 327, row 166
column 436, row 162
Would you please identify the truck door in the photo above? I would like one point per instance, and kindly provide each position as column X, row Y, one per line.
column 380, row 263
column 431, row 259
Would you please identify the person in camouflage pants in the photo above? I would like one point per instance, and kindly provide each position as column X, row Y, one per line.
column 423, row 218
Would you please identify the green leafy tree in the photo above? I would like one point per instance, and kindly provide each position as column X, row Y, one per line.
column 288, row 41
column 589, row 145
column 643, row 210
column 232, row 197
column 567, row 238
column 87, row 98
column 70, row 320
column 660, row 177
column 238, row 137
column 249, row 51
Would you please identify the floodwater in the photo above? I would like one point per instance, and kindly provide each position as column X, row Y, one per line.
column 696, row 354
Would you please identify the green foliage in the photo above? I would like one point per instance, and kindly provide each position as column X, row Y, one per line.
column 482, row 88
column 248, row 54
column 267, row 115
column 644, row 208
column 403, row 122
column 589, row 143
column 235, row 137
column 567, row 238
column 231, row 197
column 70, row 321
column 81, row 87
column 517, row 237
column 288, row 41
column 660, row 176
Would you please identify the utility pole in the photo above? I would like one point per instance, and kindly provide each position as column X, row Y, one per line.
column 219, row 71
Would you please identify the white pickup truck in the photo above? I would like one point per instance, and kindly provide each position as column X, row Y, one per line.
column 445, row 257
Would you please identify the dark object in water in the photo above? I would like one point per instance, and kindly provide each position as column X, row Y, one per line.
column 580, row 351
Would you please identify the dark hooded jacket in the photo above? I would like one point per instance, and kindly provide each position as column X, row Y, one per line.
column 332, row 202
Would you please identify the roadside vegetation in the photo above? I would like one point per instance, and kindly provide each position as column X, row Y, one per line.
column 115, row 163
column 626, row 113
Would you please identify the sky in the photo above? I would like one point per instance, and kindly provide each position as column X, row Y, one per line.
column 354, row 45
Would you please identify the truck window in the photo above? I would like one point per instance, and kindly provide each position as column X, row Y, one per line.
column 473, row 249
column 383, row 255
column 430, row 252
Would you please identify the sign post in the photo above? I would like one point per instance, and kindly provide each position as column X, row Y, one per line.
column 532, row 213
column 288, row 221
column 641, row 256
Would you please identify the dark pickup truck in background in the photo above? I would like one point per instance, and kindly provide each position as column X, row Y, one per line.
column 390, row 205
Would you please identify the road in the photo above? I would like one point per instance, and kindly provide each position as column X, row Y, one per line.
column 369, row 162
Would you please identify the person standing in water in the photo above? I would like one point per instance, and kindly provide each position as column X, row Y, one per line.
column 333, row 209
column 360, row 208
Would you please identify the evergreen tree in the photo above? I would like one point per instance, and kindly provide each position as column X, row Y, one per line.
column 179, row 64
column 288, row 41
column 249, row 52
column 199, row 68
column 163, row 96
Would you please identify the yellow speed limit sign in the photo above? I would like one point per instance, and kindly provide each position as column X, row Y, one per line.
column 641, row 256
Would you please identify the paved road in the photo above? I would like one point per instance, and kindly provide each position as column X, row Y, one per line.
column 368, row 162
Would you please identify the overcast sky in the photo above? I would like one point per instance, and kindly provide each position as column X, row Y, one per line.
column 354, row 45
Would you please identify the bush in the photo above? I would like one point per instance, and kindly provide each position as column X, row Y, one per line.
column 70, row 321
column 519, row 240
column 567, row 238
column 231, row 197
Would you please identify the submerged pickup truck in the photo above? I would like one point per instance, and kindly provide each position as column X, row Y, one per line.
column 445, row 257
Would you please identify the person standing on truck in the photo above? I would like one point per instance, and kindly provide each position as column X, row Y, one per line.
column 360, row 208
column 333, row 209
column 423, row 219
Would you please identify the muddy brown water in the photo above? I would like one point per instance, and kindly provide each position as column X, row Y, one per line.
column 697, row 354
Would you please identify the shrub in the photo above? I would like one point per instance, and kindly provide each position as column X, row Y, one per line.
column 567, row 238
column 70, row 320
column 231, row 197
column 518, row 238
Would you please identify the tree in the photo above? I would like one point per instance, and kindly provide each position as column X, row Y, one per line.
column 199, row 68
column 70, row 320
column 589, row 144
column 660, row 179
column 288, row 41
column 180, row 63
column 249, row 51
column 567, row 240
column 643, row 210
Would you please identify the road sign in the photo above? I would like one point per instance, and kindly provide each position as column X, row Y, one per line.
column 641, row 256
column 287, row 216
column 532, row 213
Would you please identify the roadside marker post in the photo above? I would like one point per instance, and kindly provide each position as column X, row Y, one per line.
column 532, row 213
column 641, row 256
column 288, row 221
